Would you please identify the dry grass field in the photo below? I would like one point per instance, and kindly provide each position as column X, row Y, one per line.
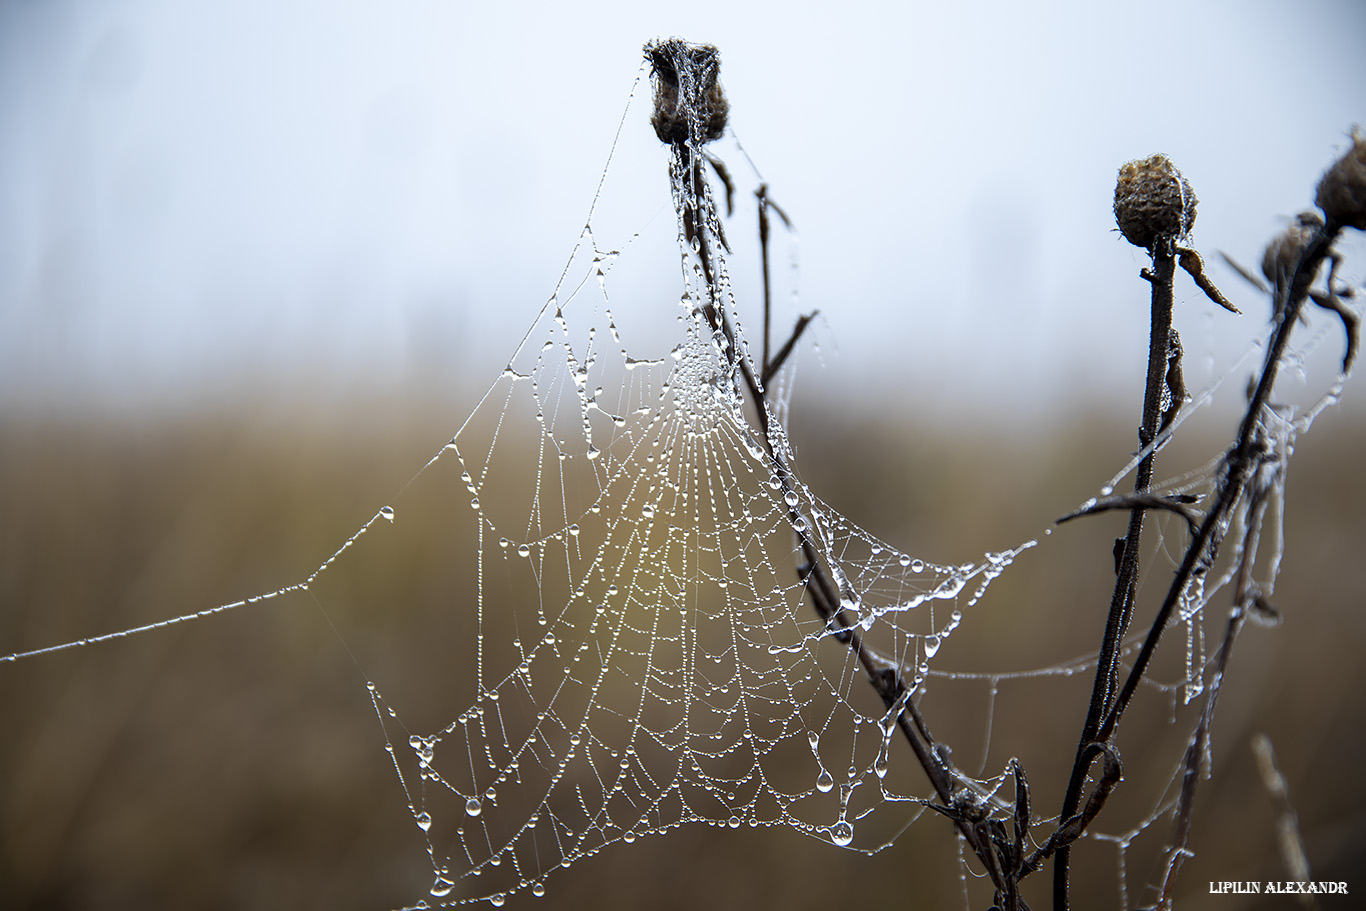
column 235, row 762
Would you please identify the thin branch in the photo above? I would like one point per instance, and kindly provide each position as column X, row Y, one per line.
column 1177, row 503
column 1126, row 583
column 780, row 358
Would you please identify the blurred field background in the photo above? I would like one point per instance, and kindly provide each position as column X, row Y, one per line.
column 235, row 762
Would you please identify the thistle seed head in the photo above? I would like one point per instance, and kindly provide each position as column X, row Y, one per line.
column 686, row 90
column 1283, row 253
column 1342, row 191
column 1153, row 200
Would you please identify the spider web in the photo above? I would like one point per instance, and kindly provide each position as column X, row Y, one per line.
column 630, row 562
column 643, row 543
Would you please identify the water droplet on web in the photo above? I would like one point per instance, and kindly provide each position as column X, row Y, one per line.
column 474, row 503
column 424, row 821
column 842, row 834
column 790, row 499
column 880, row 766
column 931, row 646
column 538, row 890
column 497, row 900
column 473, row 807
column 442, row 887
column 734, row 822
column 503, row 543
column 813, row 738
column 574, row 530
column 629, row 837
column 825, row 782
column 1106, row 490
column 917, row 566
column 523, row 550
column 648, row 511
column 905, row 560
column 593, row 452
column 387, row 512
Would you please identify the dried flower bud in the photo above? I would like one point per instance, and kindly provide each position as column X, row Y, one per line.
column 1153, row 200
column 687, row 89
column 1283, row 253
column 1342, row 192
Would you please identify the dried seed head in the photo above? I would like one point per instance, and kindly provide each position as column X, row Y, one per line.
column 1342, row 192
column 687, row 91
column 1283, row 253
column 1153, row 200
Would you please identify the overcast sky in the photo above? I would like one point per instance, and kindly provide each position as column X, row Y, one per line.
column 199, row 197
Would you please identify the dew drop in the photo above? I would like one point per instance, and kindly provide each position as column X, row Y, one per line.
column 905, row 560
column 442, row 887
column 842, row 834
column 629, row 837
column 813, row 738
column 424, row 821
column 574, row 530
column 497, row 900
column 473, row 807
column 387, row 512
column 880, row 766
column 474, row 503
column 931, row 646
column 917, row 566
column 734, row 822
column 825, row 783
column 593, row 453
column 523, row 550
column 538, row 890
column 503, row 543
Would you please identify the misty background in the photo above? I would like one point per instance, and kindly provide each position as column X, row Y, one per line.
column 196, row 200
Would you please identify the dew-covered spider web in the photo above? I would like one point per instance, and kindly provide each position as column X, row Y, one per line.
column 646, row 655
column 655, row 622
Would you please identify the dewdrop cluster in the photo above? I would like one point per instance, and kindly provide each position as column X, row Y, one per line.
column 687, row 85
column 1153, row 200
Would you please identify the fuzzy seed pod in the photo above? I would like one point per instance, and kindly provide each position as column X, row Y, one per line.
column 1283, row 253
column 1153, row 200
column 686, row 87
column 1342, row 192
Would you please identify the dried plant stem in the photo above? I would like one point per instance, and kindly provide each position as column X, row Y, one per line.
column 1239, row 464
column 1122, row 601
